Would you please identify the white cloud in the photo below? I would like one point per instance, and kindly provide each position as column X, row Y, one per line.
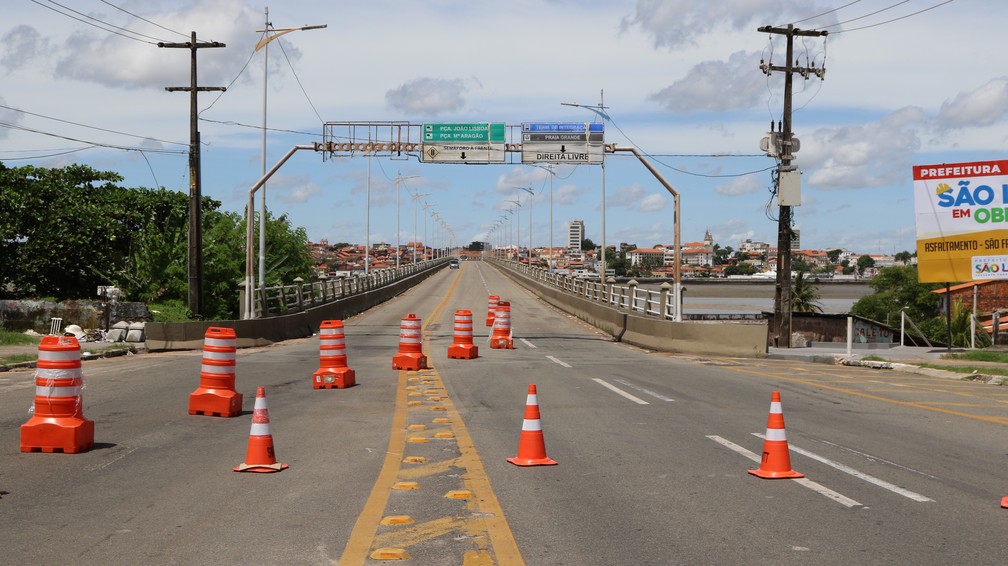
column 24, row 45
column 429, row 96
column 745, row 185
column 567, row 194
column 652, row 203
column 715, row 86
column 984, row 106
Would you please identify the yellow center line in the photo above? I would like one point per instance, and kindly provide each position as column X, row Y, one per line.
column 491, row 522
column 997, row 420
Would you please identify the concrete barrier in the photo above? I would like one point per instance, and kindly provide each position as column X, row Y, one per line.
column 163, row 336
column 705, row 338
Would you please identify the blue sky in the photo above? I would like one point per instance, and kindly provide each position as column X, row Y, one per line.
column 680, row 78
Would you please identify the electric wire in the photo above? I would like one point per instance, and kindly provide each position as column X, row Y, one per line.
column 90, row 127
column 838, row 8
column 894, row 19
column 96, row 25
column 155, row 24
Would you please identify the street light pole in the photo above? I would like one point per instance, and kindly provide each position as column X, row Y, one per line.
column 269, row 34
column 531, row 196
column 600, row 112
column 518, row 227
column 399, row 179
column 416, row 198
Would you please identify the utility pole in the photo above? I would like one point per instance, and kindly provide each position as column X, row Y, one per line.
column 195, row 186
column 782, row 291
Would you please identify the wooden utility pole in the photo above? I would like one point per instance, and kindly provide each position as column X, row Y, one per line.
column 782, row 292
column 195, row 186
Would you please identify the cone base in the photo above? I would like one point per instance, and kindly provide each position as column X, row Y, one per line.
column 409, row 362
column 215, row 403
column 532, row 461
column 1004, row 502
column 68, row 435
column 463, row 351
column 501, row 344
column 765, row 474
column 329, row 378
column 261, row 468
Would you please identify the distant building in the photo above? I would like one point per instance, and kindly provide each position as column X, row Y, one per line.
column 575, row 234
column 653, row 256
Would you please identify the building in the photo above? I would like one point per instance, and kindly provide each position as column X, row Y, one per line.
column 575, row 234
column 652, row 256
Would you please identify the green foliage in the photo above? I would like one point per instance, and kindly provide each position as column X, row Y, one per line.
column 740, row 269
column 170, row 311
column 8, row 338
column 864, row 262
column 805, row 295
column 64, row 232
column 587, row 244
column 979, row 356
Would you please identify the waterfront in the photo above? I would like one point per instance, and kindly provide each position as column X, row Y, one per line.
column 703, row 297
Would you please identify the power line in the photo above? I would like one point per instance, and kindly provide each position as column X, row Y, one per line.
column 142, row 18
column 895, row 19
column 89, row 127
column 96, row 25
column 298, row 79
column 838, row 8
column 879, row 11
column 90, row 143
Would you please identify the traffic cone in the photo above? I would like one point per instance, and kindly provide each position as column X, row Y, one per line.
column 776, row 461
column 260, row 456
column 410, row 356
column 57, row 423
column 216, row 395
column 501, row 338
column 1004, row 502
column 491, row 309
column 531, row 446
column 462, row 347
column 333, row 370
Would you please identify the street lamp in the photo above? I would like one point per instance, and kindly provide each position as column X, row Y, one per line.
column 399, row 179
column 531, row 196
column 600, row 111
column 269, row 34
column 416, row 198
column 426, row 205
column 518, row 225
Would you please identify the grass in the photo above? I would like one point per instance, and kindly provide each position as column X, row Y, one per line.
column 968, row 369
column 979, row 356
column 17, row 358
column 8, row 338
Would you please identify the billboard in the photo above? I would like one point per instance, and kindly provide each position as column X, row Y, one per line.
column 962, row 221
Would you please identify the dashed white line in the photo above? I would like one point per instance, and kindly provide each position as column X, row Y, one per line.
column 820, row 489
column 619, row 391
column 527, row 343
column 556, row 361
column 643, row 390
column 860, row 475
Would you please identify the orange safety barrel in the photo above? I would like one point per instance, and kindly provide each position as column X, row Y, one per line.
column 410, row 356
column 216, row 395
column 501, row 338
column 462, row 347
column 57, row 423
column 492, row 302
column 333, row 370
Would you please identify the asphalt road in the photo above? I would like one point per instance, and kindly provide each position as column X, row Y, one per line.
column 652, row 449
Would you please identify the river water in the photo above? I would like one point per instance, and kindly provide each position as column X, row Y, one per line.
column 702, row 297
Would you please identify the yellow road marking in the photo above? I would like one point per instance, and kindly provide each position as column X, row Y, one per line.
column 488, row 530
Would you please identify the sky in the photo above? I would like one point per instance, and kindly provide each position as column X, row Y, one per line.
column 906, row 83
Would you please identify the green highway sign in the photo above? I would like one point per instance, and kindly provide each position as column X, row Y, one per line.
column 471, row 132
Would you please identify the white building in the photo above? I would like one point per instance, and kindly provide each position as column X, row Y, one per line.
column 575, row 234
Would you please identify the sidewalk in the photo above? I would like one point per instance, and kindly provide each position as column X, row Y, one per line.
column 89, row 351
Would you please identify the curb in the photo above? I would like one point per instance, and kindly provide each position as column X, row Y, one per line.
column 85, row 356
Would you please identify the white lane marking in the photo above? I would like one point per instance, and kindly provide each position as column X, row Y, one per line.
column 860, row 475
column 527, row 343
column 874, row 458
column 556, row 361
column 643, row 390
column 820, row 489
column 619, row 391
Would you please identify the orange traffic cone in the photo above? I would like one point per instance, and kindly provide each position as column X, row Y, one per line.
column 410, row 356
column 1004, row 502
column 260, row 456
column 58, row 423
column 776, row 461
column 531, row 446
column 491, row 309
column 333, row 370
column 462, row 347
column 216, row 395
column 501, row 338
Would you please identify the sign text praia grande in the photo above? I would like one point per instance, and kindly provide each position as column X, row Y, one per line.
column 563, row 142
column 962, row 221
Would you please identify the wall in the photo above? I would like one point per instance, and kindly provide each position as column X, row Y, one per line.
column 19, row 316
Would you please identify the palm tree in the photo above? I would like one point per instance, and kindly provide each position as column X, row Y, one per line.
column 804, row 295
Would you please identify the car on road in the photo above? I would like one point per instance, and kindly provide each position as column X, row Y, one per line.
column 453, row 264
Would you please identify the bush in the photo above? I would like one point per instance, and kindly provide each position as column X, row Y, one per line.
column 170, row 311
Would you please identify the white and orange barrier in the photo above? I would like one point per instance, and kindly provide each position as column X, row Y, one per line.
column 491, row 309
column 501, row 338
column 531, row 444
column 462, row 347
column 260, row 455
column 216, row 395
column 333, row 370
column 57, row 423
column 410, row 356
column 776, row 461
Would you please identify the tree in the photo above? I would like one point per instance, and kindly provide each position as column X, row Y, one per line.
column 834, row 256
column 903, row 257
column 896, row 288
column 805, row 295
column 721, row 255
column 864, row 262
column 587, row 244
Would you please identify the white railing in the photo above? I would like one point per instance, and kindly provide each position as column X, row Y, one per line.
column 283, row 299
column 629, row 297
